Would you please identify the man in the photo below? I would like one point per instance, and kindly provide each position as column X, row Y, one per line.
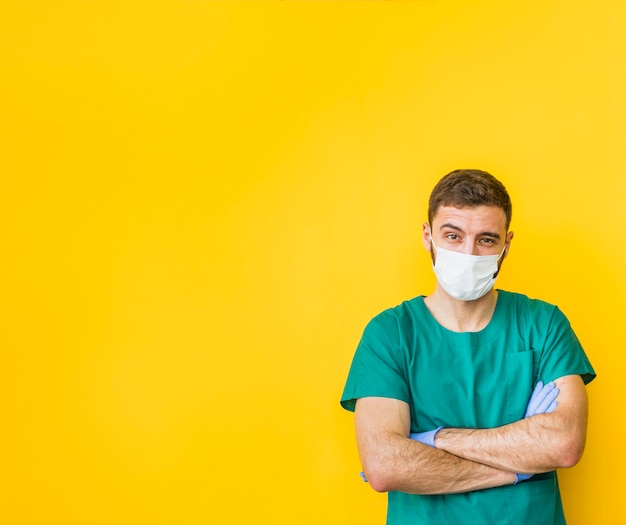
column 454, row 393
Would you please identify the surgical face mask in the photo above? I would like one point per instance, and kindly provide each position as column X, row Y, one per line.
column 465, row 277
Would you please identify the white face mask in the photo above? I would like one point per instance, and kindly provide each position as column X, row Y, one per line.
column 465, row 277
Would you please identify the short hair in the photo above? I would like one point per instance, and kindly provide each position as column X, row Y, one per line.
column 469, row 188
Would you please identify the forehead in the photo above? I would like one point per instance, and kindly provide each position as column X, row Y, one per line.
column 478, row 218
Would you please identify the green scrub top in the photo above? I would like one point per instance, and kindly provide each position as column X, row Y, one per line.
column 468, row 380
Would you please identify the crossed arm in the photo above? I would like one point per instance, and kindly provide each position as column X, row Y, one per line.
column 468, row 459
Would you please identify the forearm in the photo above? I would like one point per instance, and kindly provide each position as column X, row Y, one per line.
column 535, row 444
column 404, row 465
column 517, row 447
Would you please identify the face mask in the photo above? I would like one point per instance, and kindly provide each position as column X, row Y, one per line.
column 465, row 277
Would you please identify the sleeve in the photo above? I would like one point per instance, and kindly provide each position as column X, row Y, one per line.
column 561, row 353
column 376, row 369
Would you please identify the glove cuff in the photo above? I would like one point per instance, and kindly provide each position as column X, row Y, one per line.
column 521, row 477
column 427, row 438
column 432, row 439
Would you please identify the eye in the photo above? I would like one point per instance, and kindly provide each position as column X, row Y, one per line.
column 452, row 236
column 488, row 240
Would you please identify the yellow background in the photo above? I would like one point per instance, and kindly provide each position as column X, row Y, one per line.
column 203, row 203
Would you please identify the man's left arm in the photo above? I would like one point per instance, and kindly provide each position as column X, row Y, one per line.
column 540, row 443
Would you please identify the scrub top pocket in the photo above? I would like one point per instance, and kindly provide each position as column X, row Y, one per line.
column 521, row 376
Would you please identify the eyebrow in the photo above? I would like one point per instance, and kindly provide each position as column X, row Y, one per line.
column 493, row 235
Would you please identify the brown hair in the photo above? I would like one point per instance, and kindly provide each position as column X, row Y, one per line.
column 469, row 189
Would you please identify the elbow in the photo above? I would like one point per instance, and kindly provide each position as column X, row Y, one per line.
column 570, row 452
column 379, row 476
column 569, row 458
column 379, row 487
column 378, row 479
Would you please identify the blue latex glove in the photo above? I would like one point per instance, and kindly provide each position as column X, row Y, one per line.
column 542, row 401
column 428, row 437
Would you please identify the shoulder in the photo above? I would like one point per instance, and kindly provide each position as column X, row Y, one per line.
column 525, row 306
column 535, row 317
column 394, row 326
column 401, row 315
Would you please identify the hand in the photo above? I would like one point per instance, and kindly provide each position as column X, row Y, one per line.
column 542, row 401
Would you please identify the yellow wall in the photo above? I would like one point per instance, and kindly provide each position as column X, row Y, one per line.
column 203, row 203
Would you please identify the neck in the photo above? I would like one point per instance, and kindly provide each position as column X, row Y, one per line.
column 461, row 316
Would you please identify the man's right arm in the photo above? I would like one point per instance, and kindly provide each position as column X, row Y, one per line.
column 394, row 462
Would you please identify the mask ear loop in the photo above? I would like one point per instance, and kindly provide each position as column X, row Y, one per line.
column 503, row 252
column 430, row 238
column 432, row 243
column 501, row 256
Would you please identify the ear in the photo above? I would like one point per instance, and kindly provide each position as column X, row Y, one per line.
column 507, row 245
column 426, row 236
